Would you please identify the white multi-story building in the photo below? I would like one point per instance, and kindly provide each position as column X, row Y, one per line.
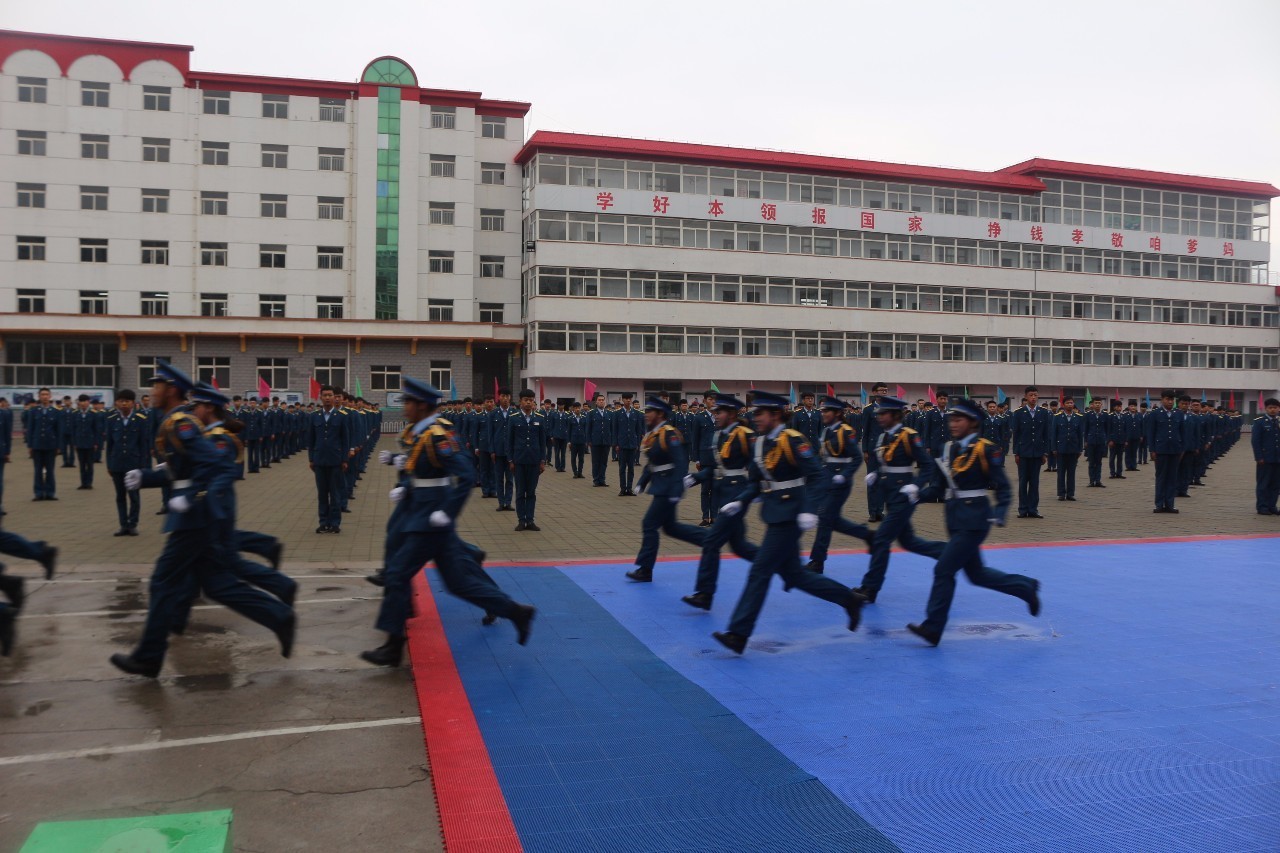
column 668, row 266
column 247, row 226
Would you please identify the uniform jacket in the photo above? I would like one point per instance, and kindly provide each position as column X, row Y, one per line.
column 434, row 456
column 1164, row 430
column 86, row 429
column 628, row 429
column 784, row 457
column 1266, row 439
column 870, row 427
column 666, row 460
column 43, row 428
column 192, row 464
column 1068, row 433
column 576, row 428
column 498, row 428
column 839, row 451
column 6, row 433
column 128, row 442
column 599, row 426
column 725, row 459
column 809, row 423
column 972, row 469
column 482, row 432
column 1030, row 432
column 221, row 494
column 1097, row 428
column 328, row 444
column 526, row 438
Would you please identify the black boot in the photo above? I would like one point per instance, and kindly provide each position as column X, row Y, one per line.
column 816, row 566
column 286, row 634
column 8, row 617
column 735, row 643
column 387, row 654
column 700, row 600
column 523, row 620
column 929, row 637
column 641, row 575
column 133, row 666
column 378, row 578
column 48, row 556
column 276, row 552
column 14, row 589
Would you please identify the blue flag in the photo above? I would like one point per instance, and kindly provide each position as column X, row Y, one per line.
column 1204, row 397
column 791, row 392
column 1148, row 398
column 453, row 390
column 862, row 392
column 1000, row 395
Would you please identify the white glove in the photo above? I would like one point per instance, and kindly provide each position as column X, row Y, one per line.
column 872, row 477
column 399, row 461
column 912, row 491
column 179, row 504
column 731, row 509
column 838, row 479
column 384, row 457
column 439, row 518
column 163, row 466
column 396, row 495
column 689, row 481
column 133, row 480
column 807, row 520
column 676, row 499
column 995, row 522
column 635, row 490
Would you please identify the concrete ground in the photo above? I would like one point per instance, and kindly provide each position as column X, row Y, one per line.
column 351, row 773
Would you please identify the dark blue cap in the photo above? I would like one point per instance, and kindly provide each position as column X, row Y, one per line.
column 890, row 404
column 203, row 392
column 659, row 404
column 725, row 401
column 968, row 408
column 166, row 372
column 833, row 403
column 425, row 392
column 766, row 400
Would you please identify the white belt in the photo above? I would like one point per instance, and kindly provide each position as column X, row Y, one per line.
column 731, row 472
column 838, row 460
column 419, row 483
column 966, row 493
column 898, row 470
column 182, row 484
column 771, row 485
column 656, row 469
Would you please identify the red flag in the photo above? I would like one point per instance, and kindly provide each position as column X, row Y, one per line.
column 900, row 393
column 315, row 389
column 933, row 397
column 1262, row 403
column 588, row 390
column 495, row 389
column 542, row 392
column 753, row 385
column 264, row 390
column 1117, row 396
column 1232, row 404
column 831, row 390
column 1062, row 397
column 215, row 383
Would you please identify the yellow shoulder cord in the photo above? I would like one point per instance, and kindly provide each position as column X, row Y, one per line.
column 424, row 442
column 899, row 440
column 235, row 442
column 977, row 452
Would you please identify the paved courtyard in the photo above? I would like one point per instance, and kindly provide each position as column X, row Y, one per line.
column 322, row 752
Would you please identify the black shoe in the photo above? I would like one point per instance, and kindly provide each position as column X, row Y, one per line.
column 531, row 526
column 523, row 620
column 735, row 643
column 344, row 509
column 706, row 522
column 869, row 596
column 286, row 634
column 55, row 497
column 275, row 555
column 133, row 666
column 37, row 498
column 1070, row 498
column 481, row 556
column 14, row 589
column 700, row 600
column 7, row 619
column 163, row 512
column 387, row 654
column 815, row 566
column 1033, row 603
column 1062, row 497
column 1121, row 477
column 324, row 528
column 521, row 526
column 378, row 578
column 1184, row 494
column 1158, row 509
column 930, row 638
column 1172, row 511
column 1034, row 515
column 622, row 493
column 488, row 619
column 82, row 487
column 1022, row 515
column 123, row 531
column 47, row 558
column 854, row 609
column 335, row 530
column 641, row 575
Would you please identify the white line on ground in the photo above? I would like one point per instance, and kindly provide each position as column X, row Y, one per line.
column 197, row 607
column 143, row 579
column 199, row 741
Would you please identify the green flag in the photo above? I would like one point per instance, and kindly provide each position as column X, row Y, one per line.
column 1088, row 398
column 359, row 393
column 714, row 388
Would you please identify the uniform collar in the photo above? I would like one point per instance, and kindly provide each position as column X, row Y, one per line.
column 776, row 431
column 421, row 426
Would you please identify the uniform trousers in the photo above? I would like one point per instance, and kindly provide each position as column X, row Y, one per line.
column 577, row 458
column 962, row 552
column 128, row 503
column 46, row 462
column 780, row 554
column 896, row 526
column 599, row 463
column 830, row 519
column 1166, row 479
column 526, row 490
column 1067, row 463
column 1029, row 483
column 1267, row 489
column 503, row 480
column 660, row 517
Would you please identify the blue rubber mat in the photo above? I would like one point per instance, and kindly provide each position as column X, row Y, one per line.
column 600, row 745
column 1141, row 711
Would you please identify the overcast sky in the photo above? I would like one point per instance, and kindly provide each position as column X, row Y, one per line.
column 1171, row 85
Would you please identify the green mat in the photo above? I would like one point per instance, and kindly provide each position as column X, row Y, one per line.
column 197, row 832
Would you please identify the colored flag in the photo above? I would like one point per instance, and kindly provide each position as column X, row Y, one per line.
column 1148, row 398
column 1262, row 403
column 1061, row 396
column 753, row 385
column 264, row 390
column 1000, row 395
column 1088, row 398
column 495, row 389
column 314, row 388
column 713, row 387
column 1204, row 396
column 453, row 389
column 933, row 398
column 1232, row 404
column 214, row 380
column 588, row 390
column 901, row 393
column 791, row 393
column 831, row 390
column 966, row 391
column 542, row 392
column 359, row 393
column 1117, row 396
column 862, row 392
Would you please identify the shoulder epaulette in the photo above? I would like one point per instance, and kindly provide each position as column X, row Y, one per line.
column 909, row 431
column 140, row 415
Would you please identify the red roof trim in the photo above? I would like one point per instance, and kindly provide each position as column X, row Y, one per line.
column 272, row 85
column 1143, row 177
column 65, row 50
column 778, row 161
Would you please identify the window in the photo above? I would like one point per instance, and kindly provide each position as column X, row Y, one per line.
column 491, row 266
column 329, row 307
column 333, row 109
column 147, row 366
column 275, row 156
column 490, row 312
column 274, row 206
column 213, row 255
column 330, row 207
column 155, row 303
column 68, row 364
column 93, row 302
column 155, row 98
column 385, row 377
column 95, row 94
column 32, row 142
column 333, row 159
column 441, row 374
column 493, row 127
column 493, row 173
column 214, row 369
column 444, row 117
column 93, row 198
column 93, row 251
column 33, row 90
column 440, row 311
column 217, row 103
column 492, row 219
column 442, row 165
column 213, row 203
column 155, row 201
column 271, row 305
column 440, row 213
column 31, row 248
column 213, row 305
column 93, row 146
column 329, row 257
column 275, row 106
column 30, row 301
column 31, row 195
column 439, row 260
column 331, row 371
column 155, row 252
column 155, row 150
column 215, row 153
column 271, row 256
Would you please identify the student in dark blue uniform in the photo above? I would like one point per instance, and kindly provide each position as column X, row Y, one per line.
column 870, row 434
column 85, row 438
column 665, row 456
column 526, row 451
column 786, row 475
column 42, row 430
column 966, row 465
column 575, row 425
column 1265, row 439
column 628, row 429
column 6, row 444
column 702, row 425
column 1068, row 442
column 1097, row 437
column 128, row 447
column 600, row 438
column 840, row 460
column 559, row 437
column 807, row 420
column 1030, row 438
column 482, row 433
column 328, row 450
column 503, row 476
column 1165, row 436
